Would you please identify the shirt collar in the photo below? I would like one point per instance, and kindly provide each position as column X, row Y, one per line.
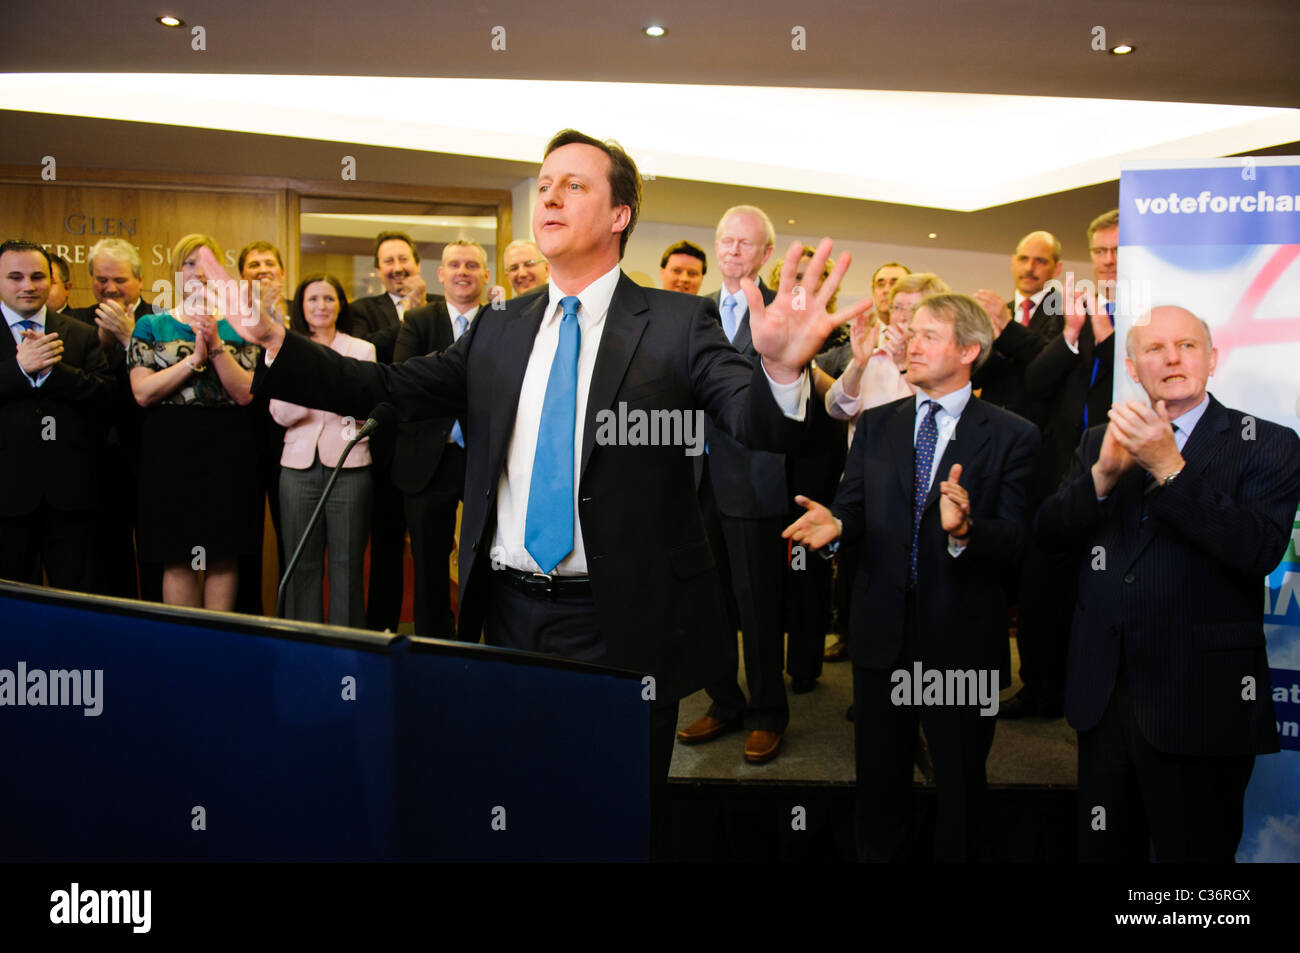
column 594, row 298
column 12, row 317
column 1188, row 421
column 396, row 299
column 469, row 315
column 1037, row 298
column 953, row 404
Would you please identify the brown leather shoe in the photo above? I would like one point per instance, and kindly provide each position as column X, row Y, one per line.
column 706, row 728
column 762, row 746
column 837, row 651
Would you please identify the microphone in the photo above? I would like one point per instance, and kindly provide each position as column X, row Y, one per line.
column 383, row 416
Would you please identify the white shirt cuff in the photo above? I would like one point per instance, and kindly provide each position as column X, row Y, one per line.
column 956, row 549
column 792, row 398
column 840, row 405
column 1074, row 348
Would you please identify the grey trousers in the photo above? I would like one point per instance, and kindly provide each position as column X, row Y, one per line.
column 344, row 528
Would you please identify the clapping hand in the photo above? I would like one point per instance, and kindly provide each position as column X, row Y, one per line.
column 954, row 505
column 37, row 351
column 115, row 323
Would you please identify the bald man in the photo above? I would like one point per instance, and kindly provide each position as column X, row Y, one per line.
column 1177, row 507
column 1023, row 326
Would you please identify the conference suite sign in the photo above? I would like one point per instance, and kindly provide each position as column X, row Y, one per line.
column 1222, row 239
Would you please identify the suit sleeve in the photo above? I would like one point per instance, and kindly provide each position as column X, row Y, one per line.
column 1071, row 515
column 848, row 505
column 1247, row 532
column 91, row 381
column 409, row 342
column 1001, row 540
column 1045, row 374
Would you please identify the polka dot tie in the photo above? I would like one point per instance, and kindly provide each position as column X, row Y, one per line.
column 927, row 438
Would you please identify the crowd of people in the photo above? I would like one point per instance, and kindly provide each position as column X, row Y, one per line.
column 834, row 496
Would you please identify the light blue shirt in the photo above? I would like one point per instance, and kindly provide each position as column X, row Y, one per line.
column 1184, row 425
column 945, row 421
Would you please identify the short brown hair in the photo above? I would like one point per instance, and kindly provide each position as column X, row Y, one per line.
column 624, row 180
column 258, row 246
column 188, row 244
column 685, row 248
column 1104, row 220
column 396, row 236
column 970, row 322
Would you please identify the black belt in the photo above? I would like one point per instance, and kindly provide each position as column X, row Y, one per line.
column 540, row 585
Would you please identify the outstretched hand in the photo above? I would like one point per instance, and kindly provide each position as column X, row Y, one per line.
column 815, row 528
column 793, row 328
column 236, row 300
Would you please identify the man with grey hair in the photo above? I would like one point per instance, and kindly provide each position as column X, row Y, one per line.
column 525, row 265
column 1174, row 509
column 115, row 281
column 946, row 519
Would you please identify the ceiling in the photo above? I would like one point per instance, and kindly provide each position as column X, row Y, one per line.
column 1197, row 51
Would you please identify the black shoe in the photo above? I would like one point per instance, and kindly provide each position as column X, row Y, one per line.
column 801, row 686
column 849, row 714
column 1021, row 705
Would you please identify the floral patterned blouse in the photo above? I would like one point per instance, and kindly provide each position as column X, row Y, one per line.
column 160, row 341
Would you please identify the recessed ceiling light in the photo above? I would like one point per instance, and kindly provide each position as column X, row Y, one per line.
column 654, row 30
column 934, row 234
column 789, row 221
column 170, row 21
column 1121, row 50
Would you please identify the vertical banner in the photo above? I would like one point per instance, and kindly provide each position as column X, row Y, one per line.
column 1221, row 238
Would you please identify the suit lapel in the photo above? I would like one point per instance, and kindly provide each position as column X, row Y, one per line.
column 900, row 438
column 628, row 313
column 514, row 346
column 964, row 446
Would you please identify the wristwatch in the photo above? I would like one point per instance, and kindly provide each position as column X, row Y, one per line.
column 1170, row 478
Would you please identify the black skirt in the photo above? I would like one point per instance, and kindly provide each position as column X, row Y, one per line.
column 198, row 485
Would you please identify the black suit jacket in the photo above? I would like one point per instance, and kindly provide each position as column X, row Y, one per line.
column 961, row 620
column 746, row 484
column 1061, row 381
column 653, row 576
column 124, row 413
column 1175, row 598
column 375, row 319
column 1001, row 380
column 50, row 436
column 420, row 443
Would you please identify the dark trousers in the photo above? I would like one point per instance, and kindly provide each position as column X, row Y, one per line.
column 885, row 747
column 750, row 555
column 431, row 521
column 846, row 569
column 387, row 552
column 808, row 612
column 1138, row 804
column 1048, row 590
column 58, row 541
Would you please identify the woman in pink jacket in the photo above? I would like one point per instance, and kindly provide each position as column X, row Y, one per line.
column 313, row 444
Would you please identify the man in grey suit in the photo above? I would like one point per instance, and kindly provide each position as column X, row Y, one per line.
column 744, row 501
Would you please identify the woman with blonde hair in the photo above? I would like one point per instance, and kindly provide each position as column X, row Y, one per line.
column 198, row 456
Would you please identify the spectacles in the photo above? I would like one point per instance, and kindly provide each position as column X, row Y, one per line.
column 511, row 269
column 902, row 308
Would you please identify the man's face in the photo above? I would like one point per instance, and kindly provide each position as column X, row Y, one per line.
column 574, row 222
column 464, row 275
column 682, row 273
column 901, row 311
column 397, row 265
column 1172, row 359
column 24, row 281
column 881, row 285
column 262, row 266
column 58, row 290
column 526, row 268
column 934, row 362
column 110, row 278
column 1033, row 265
column 741, row 246
column 1105, row 253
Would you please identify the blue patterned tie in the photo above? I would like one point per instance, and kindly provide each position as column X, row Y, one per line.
column 28, row 325
column 456, row 434
column 729, row 321
column 927, row 438
column 548, row 525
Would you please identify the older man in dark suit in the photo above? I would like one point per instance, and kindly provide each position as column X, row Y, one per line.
column 1177, row 509
column 573, row 541
column 937, row 488
column 54, row 384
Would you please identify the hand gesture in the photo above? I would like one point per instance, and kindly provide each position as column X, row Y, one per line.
column 115, row 323
column 269, row 293
column 37, row 351
column 1111, row 463
column 415, row 291
column 200, row 349
column 815, row 528
column 497, row 296
column 1102, row 326
column 250, row 323
column 790, row 330
column 894, row 340
column 863, row 334
column 1147, row 434
column 954, row 504
column 1078, row 308
column 995, row 308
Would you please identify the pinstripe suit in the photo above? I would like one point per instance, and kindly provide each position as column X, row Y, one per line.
column 1167, row 636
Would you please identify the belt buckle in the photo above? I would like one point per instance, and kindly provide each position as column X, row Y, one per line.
column 540, row 577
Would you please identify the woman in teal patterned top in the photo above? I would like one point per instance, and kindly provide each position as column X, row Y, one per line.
column 198, row 487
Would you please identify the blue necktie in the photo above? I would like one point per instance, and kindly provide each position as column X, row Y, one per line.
column 548, row 524
column 28, row 325
column 1096, row 364
column 729, row 321
column 456, row 435
column 927, row 438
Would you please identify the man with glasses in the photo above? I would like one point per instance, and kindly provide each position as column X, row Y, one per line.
column 526, row 267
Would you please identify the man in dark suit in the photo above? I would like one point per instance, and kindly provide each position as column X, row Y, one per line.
column 60, row 285
column 573, row 542
column 1071, row 377
column 114, row 266
column 429, row 459
column 1023, row 326
column 1176, row 510
column 927, row 603
column 744, row 500
column 378, row 319
column 54, row 384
